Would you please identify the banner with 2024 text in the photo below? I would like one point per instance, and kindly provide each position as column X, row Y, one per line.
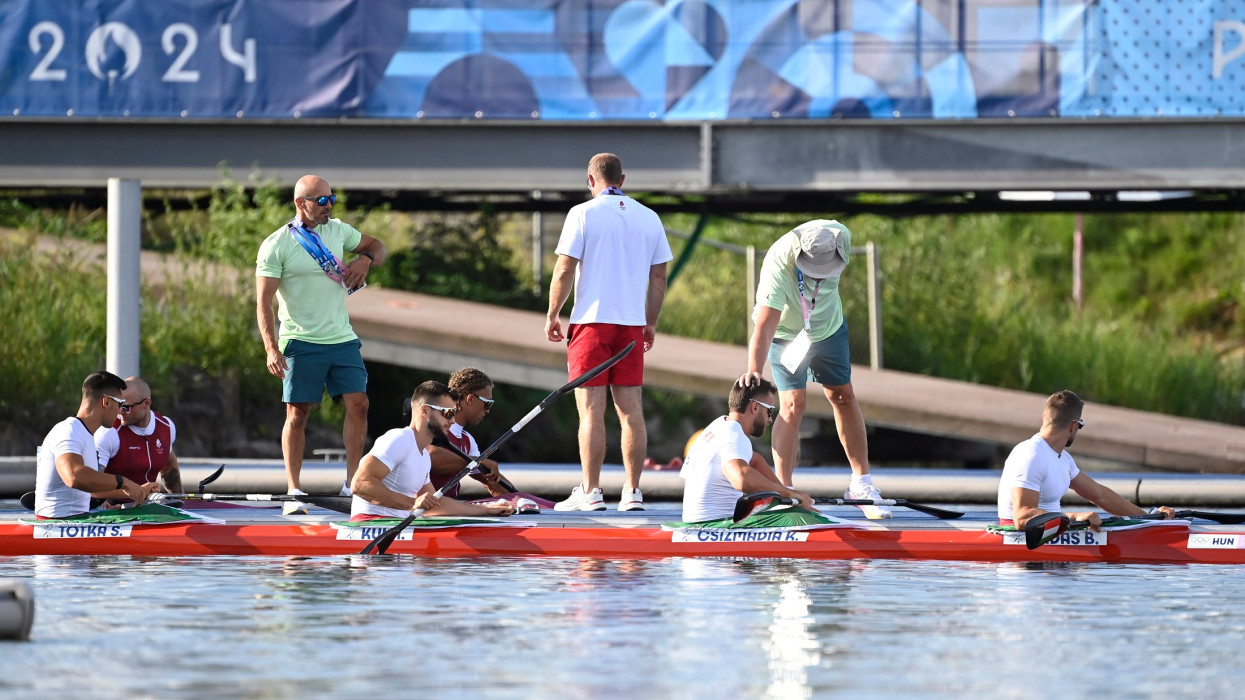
column 621, row 59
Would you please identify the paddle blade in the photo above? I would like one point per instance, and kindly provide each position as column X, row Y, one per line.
column 211, row 477
column 930, row 510
column 337, row 504
column 751, row 503
column 1222, row 518
column 1045, row 528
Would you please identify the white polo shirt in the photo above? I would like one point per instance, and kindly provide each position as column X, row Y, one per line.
column 1035, row 466
column 616, row 240
column 409, row 468
column 708, row 494
column 54, row 499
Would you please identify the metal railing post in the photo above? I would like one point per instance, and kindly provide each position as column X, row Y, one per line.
column 875, row 306
column 750, row 255
column 538, row 246
column 125, row 216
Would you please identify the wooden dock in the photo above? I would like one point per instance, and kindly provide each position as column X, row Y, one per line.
column 436, row 333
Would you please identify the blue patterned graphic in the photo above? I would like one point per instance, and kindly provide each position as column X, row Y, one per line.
column 623, row 59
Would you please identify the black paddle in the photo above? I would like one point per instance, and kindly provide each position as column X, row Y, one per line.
column 1048, row 526
column 754, row 502
column 381, row 544
column 28, row 499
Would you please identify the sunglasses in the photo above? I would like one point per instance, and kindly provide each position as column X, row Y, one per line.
column 322, row 200
column 120, row 403
column 768, row 408
column 1080, row 424
column 449, row 413
column 127, row 407
column 488, row 403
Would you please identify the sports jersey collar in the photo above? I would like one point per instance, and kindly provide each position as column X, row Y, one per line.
column 147, row 429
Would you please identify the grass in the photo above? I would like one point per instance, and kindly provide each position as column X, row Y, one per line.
column 983, row 298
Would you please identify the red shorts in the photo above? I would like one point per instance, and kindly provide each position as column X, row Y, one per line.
column 590, row 344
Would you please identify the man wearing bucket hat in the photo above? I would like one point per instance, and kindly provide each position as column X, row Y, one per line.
column 799, row 327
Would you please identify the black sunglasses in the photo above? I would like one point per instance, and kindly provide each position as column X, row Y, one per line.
column 127, row 407
column 449, row 413
column 323, row 199
column 768, row 408
column 1080, row 424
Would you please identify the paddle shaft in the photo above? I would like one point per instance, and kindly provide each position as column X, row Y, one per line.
column 382, row 541
column 902, row 503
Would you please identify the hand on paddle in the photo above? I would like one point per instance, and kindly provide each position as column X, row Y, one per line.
column 1095, row 522
column 801, row 498
column 426, row 501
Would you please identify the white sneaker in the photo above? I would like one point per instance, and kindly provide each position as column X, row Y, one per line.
column 345, row 490
column 868, row 491
column 294, row 507
column 631, row 500
column 582, row 501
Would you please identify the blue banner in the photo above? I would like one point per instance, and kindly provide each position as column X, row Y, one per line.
column 622, row 59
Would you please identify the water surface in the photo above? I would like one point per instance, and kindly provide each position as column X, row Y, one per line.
column 270, row 627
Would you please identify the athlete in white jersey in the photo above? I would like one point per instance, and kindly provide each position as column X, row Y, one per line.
column 722, row 465
column 393, row 478
column 67, row 473
column 1039, row 471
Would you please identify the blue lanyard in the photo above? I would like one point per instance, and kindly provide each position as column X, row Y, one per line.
column 613, row 190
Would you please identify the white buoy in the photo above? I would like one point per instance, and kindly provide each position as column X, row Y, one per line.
column 17, row 609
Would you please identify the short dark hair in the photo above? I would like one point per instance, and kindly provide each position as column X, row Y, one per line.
column 607, row 167
column 430, row 390
column 99, row 383
column 1062, row 408
column 741, row 396
column 469, row 380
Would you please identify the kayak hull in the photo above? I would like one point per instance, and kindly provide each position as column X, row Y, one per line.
column 1172, row 544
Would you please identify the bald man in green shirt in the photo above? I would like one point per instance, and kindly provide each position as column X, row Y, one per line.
column 300, row 265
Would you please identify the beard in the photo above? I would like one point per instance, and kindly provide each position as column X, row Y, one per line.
column 437, row 430
column 1071, row 439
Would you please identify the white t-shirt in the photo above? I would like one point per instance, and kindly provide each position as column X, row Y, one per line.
column 616, row 240
column 107, row 441
column 53, row 499
column 1035, row 466
column 708, row 494
column 408, row 471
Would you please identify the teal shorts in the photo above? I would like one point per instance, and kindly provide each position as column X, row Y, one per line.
column 828, row 363
column 314, row 367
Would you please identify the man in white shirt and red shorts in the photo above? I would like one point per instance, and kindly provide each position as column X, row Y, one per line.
column 613, row 250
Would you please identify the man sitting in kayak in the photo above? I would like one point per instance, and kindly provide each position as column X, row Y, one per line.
column 722, row 465
column 474, row 391
column 1039, row 471
column 393, row 479
column 68, row 471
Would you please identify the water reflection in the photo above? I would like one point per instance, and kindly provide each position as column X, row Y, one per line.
column 584, row 628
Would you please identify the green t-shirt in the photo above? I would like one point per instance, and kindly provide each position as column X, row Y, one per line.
column 310, row 306
column 777, row 288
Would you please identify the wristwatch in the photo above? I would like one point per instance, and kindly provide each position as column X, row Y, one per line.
column 120, row 481
column 369, row 256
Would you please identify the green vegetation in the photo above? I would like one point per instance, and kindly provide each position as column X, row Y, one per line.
column 982, row 298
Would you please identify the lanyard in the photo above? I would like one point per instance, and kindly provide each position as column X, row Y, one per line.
column 613, row 190
column 314, row 245
column 806, row 305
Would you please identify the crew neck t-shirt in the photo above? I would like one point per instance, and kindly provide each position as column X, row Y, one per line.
column 310, row 306
column 616, row 240
column 707, row 493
